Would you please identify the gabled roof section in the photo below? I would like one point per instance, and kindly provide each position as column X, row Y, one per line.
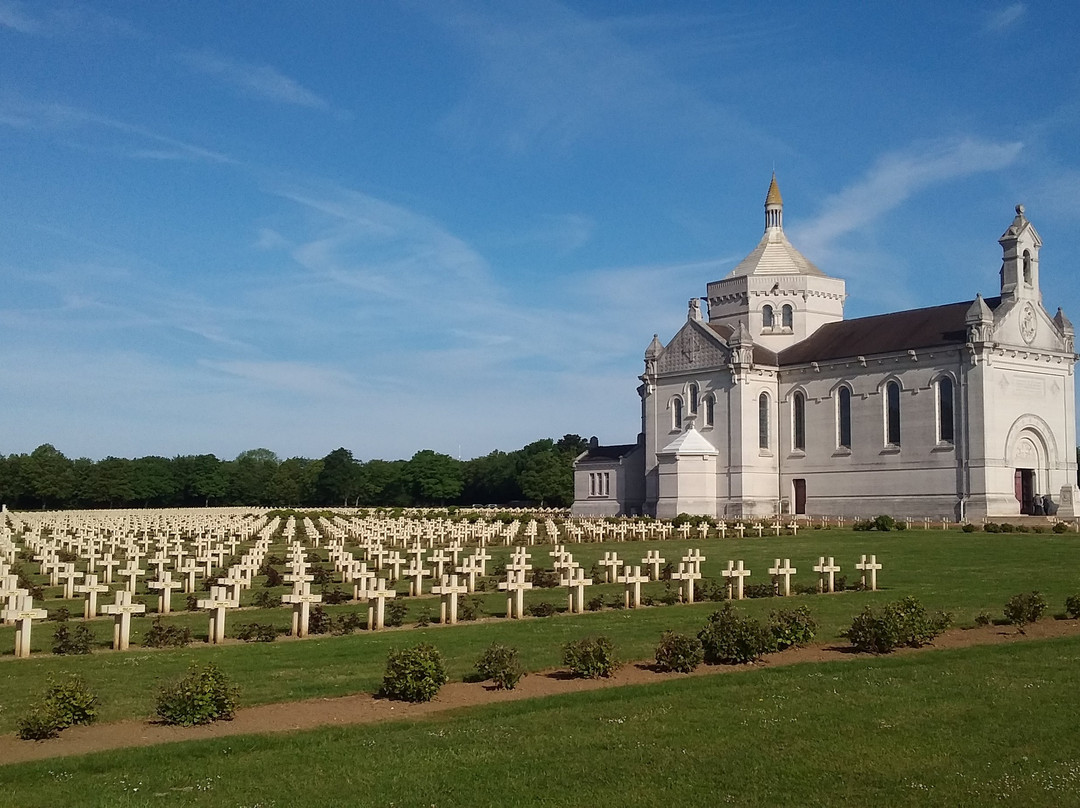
column 689, row 442
column 885, row 333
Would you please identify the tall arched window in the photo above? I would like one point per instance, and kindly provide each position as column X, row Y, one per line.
column 767, row 317
column 693, row 398
column 798, row 419
column 710, row 410
column 787, row 316
column 1027, row 267
column 843, row 418
column 945, row 410
column 892, row 414
column 763, row 421
column 676, row 413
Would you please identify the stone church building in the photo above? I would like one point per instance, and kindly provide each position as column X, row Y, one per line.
column 772, row 402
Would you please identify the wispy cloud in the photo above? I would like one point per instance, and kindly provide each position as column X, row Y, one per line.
column 546, row 74
column 71, row 20
column 61, row 118
column 15, row 16
column 259, row 80
column 894, row 179
column 1004, row 18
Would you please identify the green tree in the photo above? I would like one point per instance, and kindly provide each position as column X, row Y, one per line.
column 491, row 479
column 382, row 482
column 548, row 478
column 49, row 476
column 249, row 477
column 434, row 478
column 339, row 479
column 153, row 481
column 203, row 479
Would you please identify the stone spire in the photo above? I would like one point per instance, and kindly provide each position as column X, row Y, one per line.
column 774, row 207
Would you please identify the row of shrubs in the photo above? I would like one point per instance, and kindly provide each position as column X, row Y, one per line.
column 416, row 674
column 203, row 696
column 1007, row 527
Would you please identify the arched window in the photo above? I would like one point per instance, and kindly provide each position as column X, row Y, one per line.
column 787, row 316
column 763, row 421
column 1027, row 267
column 843, row 418
column 892, row 414
column 798, row 419
column 710, row 410
column 676, row 414
column 693, row 398
column 945, row 410
column 767, row 317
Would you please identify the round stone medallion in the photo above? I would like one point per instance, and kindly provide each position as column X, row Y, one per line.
column 1028, row 323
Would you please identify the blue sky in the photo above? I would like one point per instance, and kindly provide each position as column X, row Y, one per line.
column 393, row 226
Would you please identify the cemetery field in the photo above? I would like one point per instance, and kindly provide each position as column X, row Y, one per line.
column 972, row 726
column 963, row 573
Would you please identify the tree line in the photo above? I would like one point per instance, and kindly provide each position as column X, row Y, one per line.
column 540, row 473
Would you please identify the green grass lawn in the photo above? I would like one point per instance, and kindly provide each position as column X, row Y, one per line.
column 961, row 573
column 966, row 727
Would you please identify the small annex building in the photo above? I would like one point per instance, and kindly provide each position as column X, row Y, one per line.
column 772, row 402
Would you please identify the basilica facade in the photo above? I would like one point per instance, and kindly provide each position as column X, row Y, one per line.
column 769, row 401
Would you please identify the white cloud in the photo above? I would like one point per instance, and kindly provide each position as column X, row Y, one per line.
column 1004, row 18
column 259, row 80
column 547, row 74
column 14, row 16
column 894, row 179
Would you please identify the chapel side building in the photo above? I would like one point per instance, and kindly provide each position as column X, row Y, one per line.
column 774, row 403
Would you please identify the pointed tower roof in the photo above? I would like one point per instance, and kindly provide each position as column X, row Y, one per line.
column 774, row 254
column 655, row 348
column 773, row 197
column 979, row 312
column 1018, row 226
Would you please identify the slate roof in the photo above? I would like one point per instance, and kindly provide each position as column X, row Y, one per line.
column 884, row 333
column 614, row 452
column 762, row 355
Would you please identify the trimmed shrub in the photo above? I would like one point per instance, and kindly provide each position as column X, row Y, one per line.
column 319, row 622
column 884, row 523
column 792, row 627
column 731, row 638
column 161, row 635
column 1027, row 607
column 347, row 623
column 41, row 723
column 590, row 657
column 414, row 674
column 395, row 612
column 68, row 639
column 541, row 609
column 500, row 664
column 1060, row 527
column 203, row 696
column 62, row 705
column 256, row 632
column 968, row 528
column 335, row 596
column 903, row 623
column 983, row 619
column 266, row 600
column 678, row 653
column 470, row 608
column 1072, row 606
column 273, row 577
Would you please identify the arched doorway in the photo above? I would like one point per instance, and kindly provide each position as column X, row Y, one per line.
column 1030, row 469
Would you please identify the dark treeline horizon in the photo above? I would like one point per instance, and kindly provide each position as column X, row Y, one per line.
column 539, row 473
